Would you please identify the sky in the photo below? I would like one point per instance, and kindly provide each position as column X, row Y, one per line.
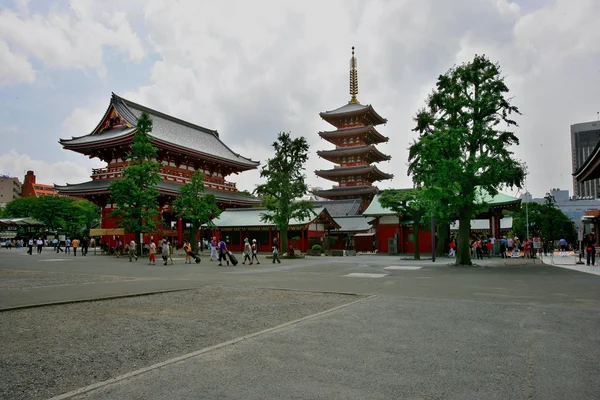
column 252, row 69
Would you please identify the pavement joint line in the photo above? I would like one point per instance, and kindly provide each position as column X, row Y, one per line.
column 184, row 357
column 88, row 300
column 299, row 290
column 33, row 271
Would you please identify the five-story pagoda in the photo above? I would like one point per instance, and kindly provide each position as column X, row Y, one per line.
column 355, row 138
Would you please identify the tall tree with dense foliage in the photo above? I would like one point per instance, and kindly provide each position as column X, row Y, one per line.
column 135, row 194
column 545, row 221
column 464, row 142
column 285, row 184
column 409, row 205
column 196, row 206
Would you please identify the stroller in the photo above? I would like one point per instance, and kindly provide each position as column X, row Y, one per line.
column 195, row 256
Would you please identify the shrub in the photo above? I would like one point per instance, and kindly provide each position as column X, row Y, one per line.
column 316, row 247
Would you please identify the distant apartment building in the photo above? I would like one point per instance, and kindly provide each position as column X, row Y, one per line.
column 31, row 188
column 10, row 189
column 572, row 207
column 584, row 138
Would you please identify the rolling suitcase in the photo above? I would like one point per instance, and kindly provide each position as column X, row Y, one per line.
column 232, row 258
column 195, row 256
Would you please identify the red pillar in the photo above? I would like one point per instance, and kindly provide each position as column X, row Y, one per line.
column 302, row 248
column 270, row 238
column 179, row 230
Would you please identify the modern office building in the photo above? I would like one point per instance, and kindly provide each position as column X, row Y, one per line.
column 10, row 189
column 584, row 137
column 572, row 207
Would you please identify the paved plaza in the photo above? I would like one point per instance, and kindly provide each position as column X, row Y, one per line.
column 364, row 327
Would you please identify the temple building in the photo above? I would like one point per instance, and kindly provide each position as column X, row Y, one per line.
column 183, row 148
column 355, row 153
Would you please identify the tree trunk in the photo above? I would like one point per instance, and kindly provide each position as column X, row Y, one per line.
column 140, row 245
column 463, row 255
column 283, row 244
column 195, row 228
column 416, row 241
column 443, row 234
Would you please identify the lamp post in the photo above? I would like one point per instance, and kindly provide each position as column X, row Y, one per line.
column 432, row 237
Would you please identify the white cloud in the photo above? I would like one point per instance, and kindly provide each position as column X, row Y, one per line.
column 72, row 39
column 15, row 164
column 14, row 69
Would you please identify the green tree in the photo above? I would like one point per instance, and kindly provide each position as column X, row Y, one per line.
column 285, row 184
column 22, row 207
column 136, row 193
column 545, row 221
column 462, row 145
column 81, row 217
column 408, row 204
column 196, row 206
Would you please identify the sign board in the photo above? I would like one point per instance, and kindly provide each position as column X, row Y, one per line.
column 537, row 243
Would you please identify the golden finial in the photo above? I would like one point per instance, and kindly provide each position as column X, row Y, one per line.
column 353, row 79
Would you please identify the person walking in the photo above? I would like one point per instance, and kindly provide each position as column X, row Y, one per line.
column 213, row 248
column 68, row 246
column 222, row 253
column 170, row 252
column 84, row 246
column 276, row 251
column 118, row 247
column 152, row 256
column 187, row 248
column 490, row 248
column 132, row 248
column 30, row 245
column 40, row 245
column 590, row 250
column 75, row 245
column 503, row 247
column 247, row 251
column 165, row 251
column 58, row 249
column 254, row 252
column 452, row 245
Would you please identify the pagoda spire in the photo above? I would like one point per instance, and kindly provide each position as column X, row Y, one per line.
column 353, row 80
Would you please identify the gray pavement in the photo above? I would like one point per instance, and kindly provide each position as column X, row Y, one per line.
column 506, row 329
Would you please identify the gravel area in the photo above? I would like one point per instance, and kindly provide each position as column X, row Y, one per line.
column 34, row 279
column 47, row 351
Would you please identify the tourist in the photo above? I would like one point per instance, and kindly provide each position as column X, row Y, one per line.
column 276, row 251
column 222, row 253
column 247, row 251
column 165, row 251
column 58, row 247
column 590, row 250
column 68, row 246
column 152, row 256
column 170, row 252
column 187, row 248
column 503, row 247
column 452, row 245
column 132, row 248
column 200, row 245
column 490, row 248
column 563, row 247
column 75, row 244
column 254, row 252
column 40, row 244
column 213, row 248
column 30, row 245
column 118, row 247
column 509, row 244
column 84, row 246
column 54, row 243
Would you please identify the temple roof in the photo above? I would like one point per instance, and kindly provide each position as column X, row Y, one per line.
column 353, row 109
column 252, row 217
column 362, row 170
column 356, row 150
column 590, row 168
column 340, row 133
column 101, row 186
column 339, row 208
column 167, row 131
column 346, row 191
column 354, row 223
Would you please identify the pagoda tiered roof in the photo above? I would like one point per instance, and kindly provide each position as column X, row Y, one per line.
column 371, row 171
column 117, row 128
column 365, row 114
column 370, row 150
column 368, row 134
column 346, row 192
